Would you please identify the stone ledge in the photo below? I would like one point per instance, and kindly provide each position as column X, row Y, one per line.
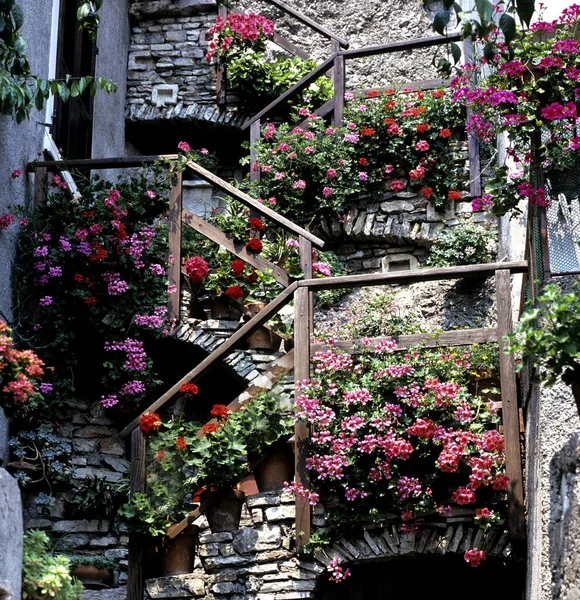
column 168, row 8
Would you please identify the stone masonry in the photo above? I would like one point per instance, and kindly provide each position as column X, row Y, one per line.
column 257, row 562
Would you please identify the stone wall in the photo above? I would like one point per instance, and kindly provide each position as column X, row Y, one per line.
column 257, row 562
column 10, row 537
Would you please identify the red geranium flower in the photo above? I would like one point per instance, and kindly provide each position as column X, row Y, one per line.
column 90, row 301
column 180, row 443
column 390, row 104
column 237, row 267
column 160, row 456
column 372, row 94
column 220, row 411
column 367, row 131
column 363, row 162
column 437, row 94
column 256, row 224
column 252, row 277
column 389, row 92
column 209, row 428
column 255, row 245
column 78, row 277
column 234, row 292
column 453, row 195
column 427, row 192
column 388, row 122
column 445, row 133
column 422, row 127
column 149, row 422
column 196, row 268
column 189, row 388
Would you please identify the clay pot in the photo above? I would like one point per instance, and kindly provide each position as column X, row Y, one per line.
column 220, row 308
column 273, row 471
column 248, row 485
column 226, row 512
column 180, row 553
column 92, row 577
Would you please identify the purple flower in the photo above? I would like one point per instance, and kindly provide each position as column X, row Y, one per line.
column 65, row 245
column 45, row 301
column 46, row 387
column 84, row 248
column 351, row 137
column 157, row 269
column 363, row 176
column 132, row 388
column 109, row 401
column 55, row 272
column 41, row 251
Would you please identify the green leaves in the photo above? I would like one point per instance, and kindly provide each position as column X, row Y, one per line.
column 508, row 26
column 525, row 10
column 441, row 21
column 485, row 11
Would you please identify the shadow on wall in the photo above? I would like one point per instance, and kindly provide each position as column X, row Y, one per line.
column 468, row 303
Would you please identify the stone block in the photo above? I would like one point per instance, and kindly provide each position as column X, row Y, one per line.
column 280, row 513
column 175, row 36
column 206, row 550
column 111, row 476
column 111, row 445
column 94, row 432
column 84, row 446
column 93, row 526
column 216, row 538
column 445, row 215
column 179, row 586
column 392, row 207
column 259, row 500
column 164, row 95
column 119, row 464
column 219, row 562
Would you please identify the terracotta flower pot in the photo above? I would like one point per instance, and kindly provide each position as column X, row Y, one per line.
column 220, row 308
column 92, row 577
column 263, row 338
column 273, row 471
column 226, row 512
column 179, row 555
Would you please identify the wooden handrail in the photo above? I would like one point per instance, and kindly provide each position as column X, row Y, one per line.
column 400, row 46
column 229, row 189
column 219, row 237
column 100, row 163
column 308, row 21
column 252, row 325
column 291, row 92
column 369, row 279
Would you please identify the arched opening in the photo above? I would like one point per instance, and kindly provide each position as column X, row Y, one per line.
column 437, row 577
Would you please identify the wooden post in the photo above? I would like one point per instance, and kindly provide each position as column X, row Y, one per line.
column 221, row 75
column 39, row 190
column 175, row 202
column 301, row 430
column 306, row 265
column 254, row 137
column 472, row 139
column 510, row 412
column 136, row 541
column 339, row 77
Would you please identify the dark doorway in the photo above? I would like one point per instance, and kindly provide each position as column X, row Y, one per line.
column 445, row 578
column 73, row 120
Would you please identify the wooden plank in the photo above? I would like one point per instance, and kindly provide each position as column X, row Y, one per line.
column 308, row 21
column 100, row 163
column 293, row 91
column 472, row 139
column 287, row 45
column 406, row 277
column 219, row 237
column 422, row 84
column 301, row 430
column 221, row 72
column 174, row 235
column 463, row 337
column 39, row 186
column 244, row 198
column 510, row 413
column 221, row 352
column 135, row 575
column 306, row 266
column 339, row 80
column 255, row 175
column 427, row 42
column 322, row 111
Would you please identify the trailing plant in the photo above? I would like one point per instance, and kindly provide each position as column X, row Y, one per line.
column 258, row 80
column 88, row 16
column 528, row 91
column 548, row 336
column 467, row 243
column 21, row 90
column 388, row 140
column 398, row 433
column 44, row 575
column 183, row 465
column 42, row 456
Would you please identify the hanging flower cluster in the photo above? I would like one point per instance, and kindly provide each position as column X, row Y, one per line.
column 400, row 432
column 240, row 31
column 391, row 141
column 20, row 375
column 534, row 88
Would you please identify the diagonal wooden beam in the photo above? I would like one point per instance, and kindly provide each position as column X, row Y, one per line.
column 219, row 237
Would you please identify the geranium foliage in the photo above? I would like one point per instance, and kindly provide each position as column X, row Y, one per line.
column 399, row 434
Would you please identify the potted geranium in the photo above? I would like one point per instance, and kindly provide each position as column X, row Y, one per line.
column 95, row 572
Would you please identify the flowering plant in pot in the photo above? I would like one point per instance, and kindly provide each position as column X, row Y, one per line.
column 390, row 142
column 527, row 88
column 188, row 459
column 399, row 434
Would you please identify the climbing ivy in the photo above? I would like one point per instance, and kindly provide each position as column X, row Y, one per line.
column 20, row 89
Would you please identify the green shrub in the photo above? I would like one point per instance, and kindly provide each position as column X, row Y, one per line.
column 464, row 244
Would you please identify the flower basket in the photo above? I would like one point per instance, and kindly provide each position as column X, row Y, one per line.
column 274, row 470
column 225, row 513
column 220, row 308
column 93, row 578
column 179, row 555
